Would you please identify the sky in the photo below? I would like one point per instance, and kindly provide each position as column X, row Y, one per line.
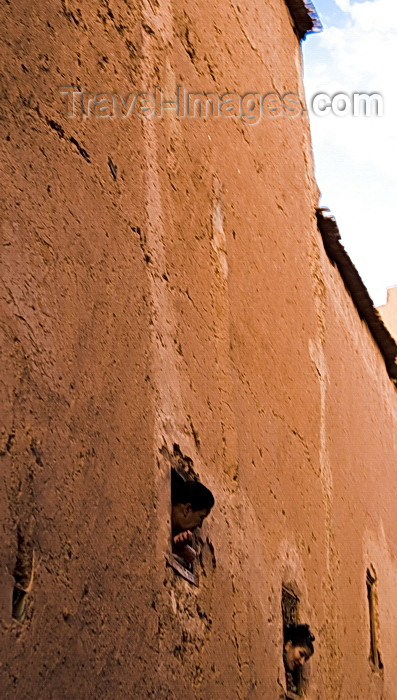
column 356, row 156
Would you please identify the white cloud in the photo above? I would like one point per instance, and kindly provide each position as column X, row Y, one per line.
column 343, row 4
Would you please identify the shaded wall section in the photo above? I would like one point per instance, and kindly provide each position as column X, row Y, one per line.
column 165, row 285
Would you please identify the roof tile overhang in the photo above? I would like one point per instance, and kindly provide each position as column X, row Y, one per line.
column 358, row 291
column 304, row 16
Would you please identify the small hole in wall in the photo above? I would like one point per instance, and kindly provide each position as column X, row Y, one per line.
column 18, row 604
column 23, row 577
column 372, row 596
column 289, row 606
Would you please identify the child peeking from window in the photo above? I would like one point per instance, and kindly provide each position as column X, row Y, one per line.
column 298, row 648
column 191, row 503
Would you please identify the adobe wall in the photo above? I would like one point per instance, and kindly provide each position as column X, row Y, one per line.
column 179, row 293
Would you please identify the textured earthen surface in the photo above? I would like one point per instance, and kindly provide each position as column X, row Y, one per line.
column 164, row 283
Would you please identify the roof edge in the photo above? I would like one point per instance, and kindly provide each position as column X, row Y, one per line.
column 358, row 291
column 304, row 16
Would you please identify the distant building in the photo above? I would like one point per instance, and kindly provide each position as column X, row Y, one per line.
column 388, row 311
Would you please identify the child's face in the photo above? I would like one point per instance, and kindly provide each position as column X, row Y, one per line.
column 188, row 519
column 195, row 518
column 295, row 656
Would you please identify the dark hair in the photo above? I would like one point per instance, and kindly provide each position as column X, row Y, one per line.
column 299, row 636
column 192, row 492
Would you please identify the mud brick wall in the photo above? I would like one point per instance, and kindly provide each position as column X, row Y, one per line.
column 165, row 291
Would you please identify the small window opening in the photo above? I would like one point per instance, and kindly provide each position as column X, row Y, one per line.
column 23, row 577
column 191, row 502
column 290, row 612
column 375, row 658
column 290, row 607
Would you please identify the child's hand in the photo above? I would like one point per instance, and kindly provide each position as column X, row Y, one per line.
column 181, row 544
column 183, row 538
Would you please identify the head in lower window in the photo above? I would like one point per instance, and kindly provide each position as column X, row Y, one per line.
column 191, row 503
column 298, row 646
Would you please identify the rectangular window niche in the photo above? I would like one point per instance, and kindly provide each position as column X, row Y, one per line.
column 375, row 658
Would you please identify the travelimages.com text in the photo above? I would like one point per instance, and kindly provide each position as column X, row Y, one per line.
column 249, row 107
